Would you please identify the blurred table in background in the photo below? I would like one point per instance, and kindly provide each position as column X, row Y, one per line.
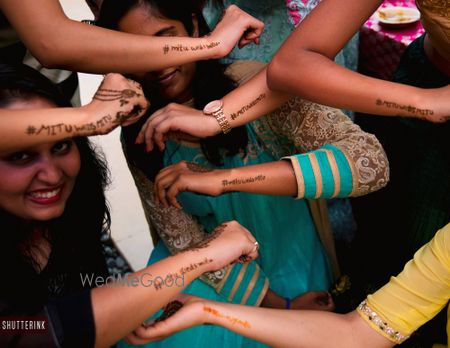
column 381, row 48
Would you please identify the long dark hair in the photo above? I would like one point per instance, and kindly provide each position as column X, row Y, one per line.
column 209, row 82
column 75, row 236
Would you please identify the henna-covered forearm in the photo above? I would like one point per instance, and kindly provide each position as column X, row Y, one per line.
column 184, row 48
column 233, row 320
column 241, row 181
column 247, row 107
column 69, row 129
column 208, row 239
column 409, row 108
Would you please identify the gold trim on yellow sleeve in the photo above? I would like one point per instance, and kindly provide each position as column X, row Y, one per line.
column 237, row 282
column 378, row 324
column 317, row 174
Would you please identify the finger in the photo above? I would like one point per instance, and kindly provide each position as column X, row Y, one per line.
column 161, row 191
column 159, row 134
column 148, row 127
column 145, row 334
column 171, row 195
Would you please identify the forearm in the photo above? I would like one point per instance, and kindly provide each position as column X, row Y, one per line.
column 143, row 294
column 295, row 328
column 31, row 127
column 304, row 65
column 59, row 42
column 319, row 79
column 273, row 178
column 252, row 100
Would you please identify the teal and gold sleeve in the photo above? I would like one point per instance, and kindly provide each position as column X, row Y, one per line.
column 244, row 284
column 323, row 173
column 336, row 158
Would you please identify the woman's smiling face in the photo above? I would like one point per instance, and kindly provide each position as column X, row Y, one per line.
column 36, row 182
column 172, row 84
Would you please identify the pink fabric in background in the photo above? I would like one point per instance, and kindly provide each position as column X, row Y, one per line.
column 381, row 48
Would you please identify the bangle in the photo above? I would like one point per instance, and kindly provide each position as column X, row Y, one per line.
column 288, row 302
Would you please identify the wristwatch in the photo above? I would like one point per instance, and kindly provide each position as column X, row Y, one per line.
column 215, row 109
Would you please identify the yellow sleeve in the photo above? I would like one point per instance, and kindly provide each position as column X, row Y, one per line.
column 416, row 295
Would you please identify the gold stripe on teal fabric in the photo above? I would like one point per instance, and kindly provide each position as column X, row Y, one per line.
column 352, row 169
column 263, row 292
column 298, row 176
column 224, row 280
column 238, row 282
column 335, row 171
column 251, row 285
column 317, row 174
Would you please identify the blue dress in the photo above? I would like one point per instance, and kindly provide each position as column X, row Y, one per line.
column 291, row 254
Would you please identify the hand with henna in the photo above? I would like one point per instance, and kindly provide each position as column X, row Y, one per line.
column 179, row 314
column 117, row 102
column 228, row 243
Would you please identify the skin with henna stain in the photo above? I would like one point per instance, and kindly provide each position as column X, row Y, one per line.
column 232, row 320
column 169, row 310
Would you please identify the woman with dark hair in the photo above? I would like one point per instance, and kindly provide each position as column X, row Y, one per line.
column 58, row 42
column 52, row 212
column 298, row 263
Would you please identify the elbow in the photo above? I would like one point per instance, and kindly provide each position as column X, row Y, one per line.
column 50, row 53
column 279, row 73
column 274, row 72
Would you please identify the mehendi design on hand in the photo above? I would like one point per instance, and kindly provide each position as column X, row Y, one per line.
column 232, row 320
column 209, row 238
column 409, row 108
column 197, row 168
column 181, row 48
column 110, row 95
column 55, row 129
column 249, row 180
column 169, row 310
column 247, row 107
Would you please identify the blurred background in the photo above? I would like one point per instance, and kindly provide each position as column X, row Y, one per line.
column 129, row 229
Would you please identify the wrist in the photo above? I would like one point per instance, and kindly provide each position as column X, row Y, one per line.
column 214, row 47
column 213, row 125
column 85, row 115
column 209, row 313
column 226, row 184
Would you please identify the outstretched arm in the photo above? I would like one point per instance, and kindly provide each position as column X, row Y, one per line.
column 249, row 101
column 335, row 159
column 304, row 66
column 118, row 101
column 151, row 288
column 58, row 42
column 274, row 327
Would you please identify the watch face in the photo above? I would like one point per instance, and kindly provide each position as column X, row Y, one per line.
column 212, row 107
